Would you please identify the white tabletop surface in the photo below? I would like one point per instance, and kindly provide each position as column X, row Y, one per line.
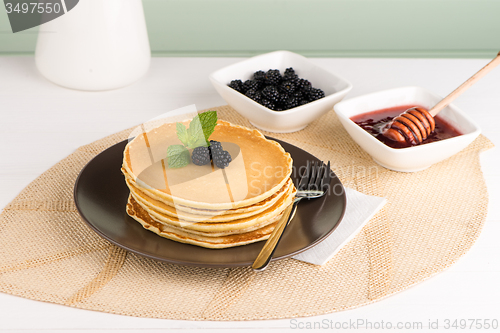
column 41, row 123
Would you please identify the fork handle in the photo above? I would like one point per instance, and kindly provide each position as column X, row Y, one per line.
column 265, row 255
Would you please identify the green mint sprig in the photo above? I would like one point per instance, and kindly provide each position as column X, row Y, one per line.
column 196, row 135
column 208, row 122
column 177, row 156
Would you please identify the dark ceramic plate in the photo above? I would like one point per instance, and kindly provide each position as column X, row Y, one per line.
column 101, row 196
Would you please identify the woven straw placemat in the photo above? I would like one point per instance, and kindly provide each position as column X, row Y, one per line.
column 432, row 218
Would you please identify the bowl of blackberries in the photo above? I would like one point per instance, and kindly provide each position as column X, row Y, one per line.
column 279, row 91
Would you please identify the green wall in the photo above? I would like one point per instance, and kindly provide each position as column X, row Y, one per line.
column 323, row 28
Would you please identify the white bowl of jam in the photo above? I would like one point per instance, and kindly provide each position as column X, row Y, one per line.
column 363, row 116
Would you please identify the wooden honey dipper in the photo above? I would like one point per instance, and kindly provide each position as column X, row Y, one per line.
column 415, row 124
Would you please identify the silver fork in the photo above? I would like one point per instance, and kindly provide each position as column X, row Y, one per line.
column 313, row 184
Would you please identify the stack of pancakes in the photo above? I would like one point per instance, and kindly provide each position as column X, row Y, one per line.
column 205, row 205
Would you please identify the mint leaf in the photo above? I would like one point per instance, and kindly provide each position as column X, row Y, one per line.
column 208, row 122
column 182, row 133
column 195, row 134
column 199, row 141
column 177, row 156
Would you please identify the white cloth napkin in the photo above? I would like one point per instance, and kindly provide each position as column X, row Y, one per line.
column 360, row 208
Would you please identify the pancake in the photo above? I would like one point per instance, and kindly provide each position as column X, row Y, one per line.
column 136, row 212
column 204, row 205
column 148, row 201
column 212, row 234
column 234, row 226
column 259, row 169
column 199, row 211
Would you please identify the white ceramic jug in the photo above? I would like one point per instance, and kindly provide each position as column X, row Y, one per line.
column 98, row 45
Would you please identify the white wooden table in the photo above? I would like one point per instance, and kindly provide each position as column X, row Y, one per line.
column 42, row 123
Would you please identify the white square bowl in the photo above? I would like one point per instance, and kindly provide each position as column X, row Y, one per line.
column 414, row 158
column 291, row 120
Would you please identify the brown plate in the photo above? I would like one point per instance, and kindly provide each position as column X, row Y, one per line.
column 101, row 196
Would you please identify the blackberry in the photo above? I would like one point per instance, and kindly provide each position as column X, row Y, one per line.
column 220, row 157
column 259, row 77
column 250, row 84
column 215, row 145
column 315, row 93
column 303, row 84
column 290, row 75
column 236, row 85
column 283, row 98
column 254, row 94
column 273, row 77
column 289, row 71
column 267, row 103
column 278, row 92
column 200, row 156
column 287, row 86
column 305, row 91
column 298, row 94
column 291, row 103
column 271, row 93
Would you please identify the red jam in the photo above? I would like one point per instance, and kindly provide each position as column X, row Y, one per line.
column 374, row 120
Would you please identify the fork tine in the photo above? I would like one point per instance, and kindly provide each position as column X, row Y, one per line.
column 305, row 177
column 320, row 176
column 314, row 174
column 325, row 181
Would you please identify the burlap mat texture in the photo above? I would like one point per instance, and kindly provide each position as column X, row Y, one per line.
column 431, row 219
